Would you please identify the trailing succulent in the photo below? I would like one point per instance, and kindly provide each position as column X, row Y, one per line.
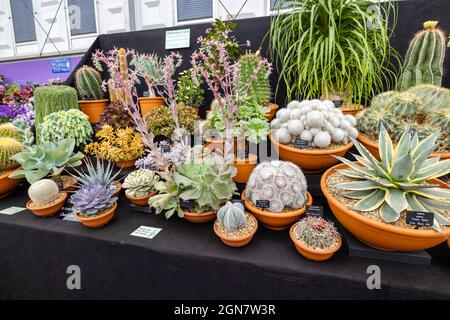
column 280, row 182
column 91, row 200
column 399, row 181
column 316, row 232
column 160, row 121
column 232, row 216
column 140, row 183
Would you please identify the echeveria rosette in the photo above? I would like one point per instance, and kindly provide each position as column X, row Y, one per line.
column 92, row 199
column 399, row 181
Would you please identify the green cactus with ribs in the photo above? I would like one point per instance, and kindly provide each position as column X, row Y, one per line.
column 89, row 83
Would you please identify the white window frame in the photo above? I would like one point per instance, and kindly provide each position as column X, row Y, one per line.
column 81, row 36
column 27, row 43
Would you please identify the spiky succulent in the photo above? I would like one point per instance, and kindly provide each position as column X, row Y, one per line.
column 98, row 174
column 369, row 120
column 140, row 183
column 406, row 105
column 399, row 181
column 435, row 97
column 91, row 200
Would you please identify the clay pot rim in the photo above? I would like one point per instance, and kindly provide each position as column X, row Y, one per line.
column 150, row 98
column 325, row 152
column 369, row 222
column 272, row 105
column 289, row 214
column 312, row 250
column 7, row 173
column 224, row 237
column 151, row 194
column 92, row 101
column 193, row 214
column 111, row 209
column 46, row 206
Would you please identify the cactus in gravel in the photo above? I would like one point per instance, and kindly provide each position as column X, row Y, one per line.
column 424, row 59
column 280, row 182
column 89, row 83
column 368, row 121
column 8, row 148
column 140, row 183
column 8, row 130
column 232, row 216
column 43, row 192
column 406, row 105
column 316, row 232
column 383, row 99
column 259, row 89
column 435, row 98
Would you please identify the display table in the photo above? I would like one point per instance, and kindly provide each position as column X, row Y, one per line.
column 187, row 261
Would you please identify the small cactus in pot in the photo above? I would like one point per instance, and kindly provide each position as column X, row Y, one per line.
column 46, row 199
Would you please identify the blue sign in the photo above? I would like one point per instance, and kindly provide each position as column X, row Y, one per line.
column 61, row 65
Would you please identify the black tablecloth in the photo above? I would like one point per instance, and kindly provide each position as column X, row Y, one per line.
column 187, row 261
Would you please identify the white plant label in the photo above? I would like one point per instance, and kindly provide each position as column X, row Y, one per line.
column 146, row 232
column 11, row 210
column 176, row 39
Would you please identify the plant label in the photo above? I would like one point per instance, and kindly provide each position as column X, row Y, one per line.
column 165, row 148
column 145, row 94
column 338, row 103
column 176, row 39
column 145, row 232
column 242, row 154
column 11, row 210
column 187, row 204
column 316, row 211
column 419, row 219
column 263, row 204
column 301, row 144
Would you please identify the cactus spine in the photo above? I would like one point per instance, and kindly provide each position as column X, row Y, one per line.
column 424, row 59
column 89, row 83
column 8, row 130
column 8, row 148
column 435, row 98
column 259, row 89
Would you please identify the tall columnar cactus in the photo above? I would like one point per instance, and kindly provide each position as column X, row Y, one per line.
column 8, row 148
column 435, row 98
column 51, row 99
column 89, row 83
column 260, row 87
column 424, row 60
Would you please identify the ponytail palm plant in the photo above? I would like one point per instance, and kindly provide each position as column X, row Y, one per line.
column 333, row 48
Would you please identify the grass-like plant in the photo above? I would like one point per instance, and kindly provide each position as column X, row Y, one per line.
column 333, row 48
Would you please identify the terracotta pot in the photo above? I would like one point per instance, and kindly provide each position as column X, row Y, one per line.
column 271, row 110
column 276, row 220
column 244, row 168
column 48, row 210
column 100, row 220
column 381, row 235
column 236, row 242
column 351, row 111
column 310, row 160
column 374, row 150
column 149, row 104
column 118, row 186
column 311, row 253
column 93, row 109
column 199, row 217
column 126, row 164
column 8, row 185
column 141, row 201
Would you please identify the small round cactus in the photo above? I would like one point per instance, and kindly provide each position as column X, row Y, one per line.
column 8, row 130
column 140, row 183
column 280, row 182
column 43, row 192
column 8, row 148
column 316, row 121
column 317, row 233
column 232, row 216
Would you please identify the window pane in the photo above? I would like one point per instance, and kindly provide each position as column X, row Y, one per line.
column 194, row 9
column 82, row 17
column 275, row 4
column 23, row 20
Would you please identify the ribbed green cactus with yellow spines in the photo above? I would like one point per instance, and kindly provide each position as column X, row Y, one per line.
column 440, row 119
column 424, row 61
column 435, row 98
column 89, row 83
column 368, row 121
column 8, row 130
column 384, row 99
column 259, row 89
column 406, row 106
column 8, row 148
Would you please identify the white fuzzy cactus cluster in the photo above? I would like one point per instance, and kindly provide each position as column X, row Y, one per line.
column 318, row 122
column 280, row 182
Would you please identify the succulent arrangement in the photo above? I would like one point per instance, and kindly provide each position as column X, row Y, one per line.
column 116, row 144
column 318, row 122
column 140, row 183
column 280, row 182
column 189, row 90
column 98, row 174
column 424, row 61
column 43, row 192
column 89, row 83
column 232, row 216
column 92, row 200
column 317, row 233
column 60, row 125
column 400, row 181
column 148, row 67
column 115, row 116
column 161, row 123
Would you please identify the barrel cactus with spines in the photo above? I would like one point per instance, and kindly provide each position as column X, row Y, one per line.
column 232, row 216
column 441, row 120
column 369, row 120
column 406, row 105
column 384, row 99
column 280, row 182
column 259, row 89
column 89, row 83
column 8, row 130
column 424, row 61
column 435, row 98
column 43, row 192
column 8, row 148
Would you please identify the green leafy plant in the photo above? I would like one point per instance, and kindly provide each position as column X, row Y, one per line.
column 89, row 83
column 140, row 183
column 399, row 181
column 189, row 89
column 161, row 123
column 66, row 124
column 333, row 47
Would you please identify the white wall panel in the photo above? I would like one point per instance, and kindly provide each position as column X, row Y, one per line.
column 113, row 16
column 6, row 32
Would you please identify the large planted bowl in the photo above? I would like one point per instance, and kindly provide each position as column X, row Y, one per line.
column 93, row 109
column 310, row 160
column 100, row 220
column 271, row 111
column 244, row 168
column 148, row 104
column 7, row 185
column 276, row 220
column 381, row 235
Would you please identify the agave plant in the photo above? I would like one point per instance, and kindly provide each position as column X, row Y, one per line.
column 399, row 181
column 92, row 199
column 99, row 174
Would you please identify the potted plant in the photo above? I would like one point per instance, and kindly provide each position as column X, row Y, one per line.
column 276, row 194
column 46, row 199
column 115, row 116
column 311, row 133
column 94, row 204
column 426, row 108
column 373, row 199
column 189, row 91
column 9, row 147
column 315, row 238
column 140, row 186
column 122, row 146
column 339, row 50
column 234, row 226
column 89, row 86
